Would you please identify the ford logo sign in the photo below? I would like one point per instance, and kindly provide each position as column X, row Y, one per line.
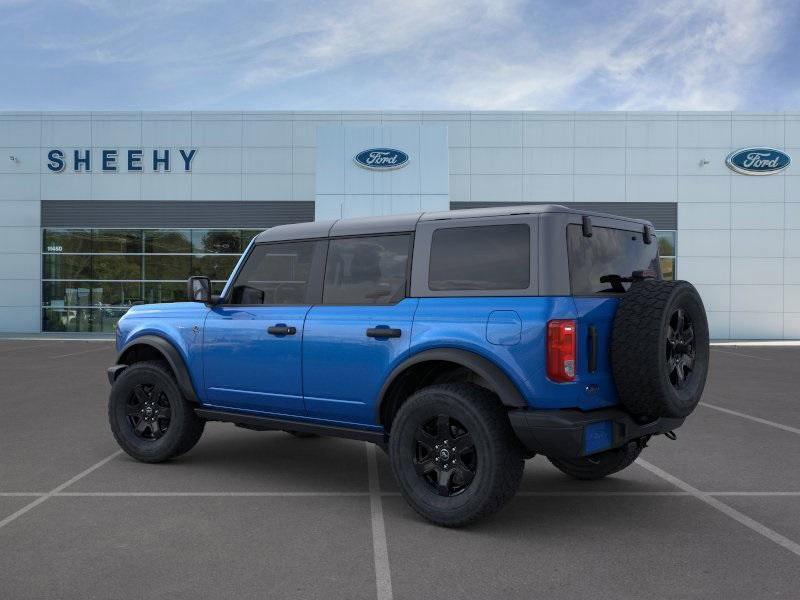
column 381, row 159
column 758, row 161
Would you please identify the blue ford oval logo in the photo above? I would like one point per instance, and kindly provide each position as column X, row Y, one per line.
column 758, row 161
column 381, row 159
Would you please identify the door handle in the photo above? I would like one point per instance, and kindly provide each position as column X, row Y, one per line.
column 383, row 332
column 281, row 329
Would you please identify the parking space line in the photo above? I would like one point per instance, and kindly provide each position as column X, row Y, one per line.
column 740, row 354
column 734, row 514
column 77, row 353
column 597, row 494
column 213, row 494
column 58, row 489
column 752, row 418
column 755, row 494
column 383, row 578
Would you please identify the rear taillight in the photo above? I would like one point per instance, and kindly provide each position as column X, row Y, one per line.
column 561, row 350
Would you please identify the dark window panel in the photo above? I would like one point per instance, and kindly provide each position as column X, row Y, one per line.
column 117, row 267
column 223, row 241
column 366, row 270
column 277, row 274
column 213, row 266
column 489, row 257
column 67, row 267
column 606, row 252
column 164, row 292
column 166, row 267
column 167, row 241
column 117, row 240
column 67, row 240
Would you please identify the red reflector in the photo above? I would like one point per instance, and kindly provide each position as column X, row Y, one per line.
column 561, row 350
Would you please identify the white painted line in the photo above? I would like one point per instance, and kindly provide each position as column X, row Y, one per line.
column 760, row 344
column 597, row 494
column 211, row 494
column 755, row 494
column 734, row 514
column 752, row 418
column 383, row 578
column 742, row 354
column 76, row 353
column 21, row 494
column 58, row 489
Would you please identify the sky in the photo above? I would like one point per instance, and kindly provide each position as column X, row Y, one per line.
column 400, row 55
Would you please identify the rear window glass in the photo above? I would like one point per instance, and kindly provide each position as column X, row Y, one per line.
column 489, row 257
column 606, row 252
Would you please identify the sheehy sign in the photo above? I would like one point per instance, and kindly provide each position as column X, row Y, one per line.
column 112, row 160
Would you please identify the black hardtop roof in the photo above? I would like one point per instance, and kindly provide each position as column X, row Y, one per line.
column 408, row 222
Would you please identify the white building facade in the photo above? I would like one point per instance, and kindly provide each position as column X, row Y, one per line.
column 100, row 210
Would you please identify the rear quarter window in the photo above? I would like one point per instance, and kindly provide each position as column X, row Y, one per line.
column 607, row 252
column 484, row 257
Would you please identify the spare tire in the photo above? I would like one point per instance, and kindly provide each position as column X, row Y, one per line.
column 659, row 348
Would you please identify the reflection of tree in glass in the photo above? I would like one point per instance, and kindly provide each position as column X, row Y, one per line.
column 221, row 241
column 167, row 240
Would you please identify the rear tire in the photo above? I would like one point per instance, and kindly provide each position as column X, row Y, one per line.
column 149, row 417
column 597, row 466
column 454, row 454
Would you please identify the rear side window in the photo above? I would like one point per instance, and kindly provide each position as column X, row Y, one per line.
column 367, row 270
column 488, row 257
column 606, row 252
column 278, row 274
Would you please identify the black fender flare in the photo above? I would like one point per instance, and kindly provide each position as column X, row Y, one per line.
column 173, row 357
column 506, row 389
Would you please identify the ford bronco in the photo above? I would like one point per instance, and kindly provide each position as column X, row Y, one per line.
column 461, row 342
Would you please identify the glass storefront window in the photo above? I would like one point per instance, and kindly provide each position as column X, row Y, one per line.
column 165, row 267
column 171, row 241
column 214, row 266
column 223, row 241
column 666, row 252
column 59, row 294
column 67, row 240
column 117, row 266
column 118, row 241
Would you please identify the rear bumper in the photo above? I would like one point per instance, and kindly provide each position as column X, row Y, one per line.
column 574, row 433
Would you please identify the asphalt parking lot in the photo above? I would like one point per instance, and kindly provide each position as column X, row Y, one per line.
column 715, row 514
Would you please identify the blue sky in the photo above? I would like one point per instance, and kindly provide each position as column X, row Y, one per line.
column 389, row 54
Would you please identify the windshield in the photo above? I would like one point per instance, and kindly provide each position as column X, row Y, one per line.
column 608, row 252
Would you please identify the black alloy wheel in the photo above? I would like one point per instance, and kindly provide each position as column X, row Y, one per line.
column 680, row 348
column 148, row 411
column 445, row 456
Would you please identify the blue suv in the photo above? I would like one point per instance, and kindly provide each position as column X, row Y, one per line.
column 461, row 342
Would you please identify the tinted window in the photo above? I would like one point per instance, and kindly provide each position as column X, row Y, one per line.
column 491, row 257
column 366, row 270
column 607, row 252
column 277, row 274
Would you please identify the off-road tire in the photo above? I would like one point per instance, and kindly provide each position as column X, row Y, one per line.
column 184, row 428
column 597, row 466
column 641, row 347
column 497, row 454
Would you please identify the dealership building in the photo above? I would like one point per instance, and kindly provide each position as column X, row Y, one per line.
column 100, row 210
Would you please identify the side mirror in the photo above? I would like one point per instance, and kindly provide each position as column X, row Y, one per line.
column 198, row 289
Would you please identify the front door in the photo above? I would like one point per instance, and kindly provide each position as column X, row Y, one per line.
column 361, row 329
column 252, row 341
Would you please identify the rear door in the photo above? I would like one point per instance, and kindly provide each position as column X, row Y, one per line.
column 252, row 343
column 360, row 330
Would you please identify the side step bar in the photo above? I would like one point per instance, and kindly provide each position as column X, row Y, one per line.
column 271, row 423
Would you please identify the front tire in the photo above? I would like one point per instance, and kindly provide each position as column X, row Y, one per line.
column 149, row 417
column 602, row 464
column 454, row 454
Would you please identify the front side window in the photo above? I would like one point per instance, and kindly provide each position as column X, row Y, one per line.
column 367, row 270
column 608, row 252
column 277, row 274
column 486, row 257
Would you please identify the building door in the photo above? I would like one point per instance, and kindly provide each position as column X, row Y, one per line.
column 252, row 341
column 361, row 330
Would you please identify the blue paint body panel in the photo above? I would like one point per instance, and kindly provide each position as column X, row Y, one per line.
column 343, row 369
column 330, row 371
